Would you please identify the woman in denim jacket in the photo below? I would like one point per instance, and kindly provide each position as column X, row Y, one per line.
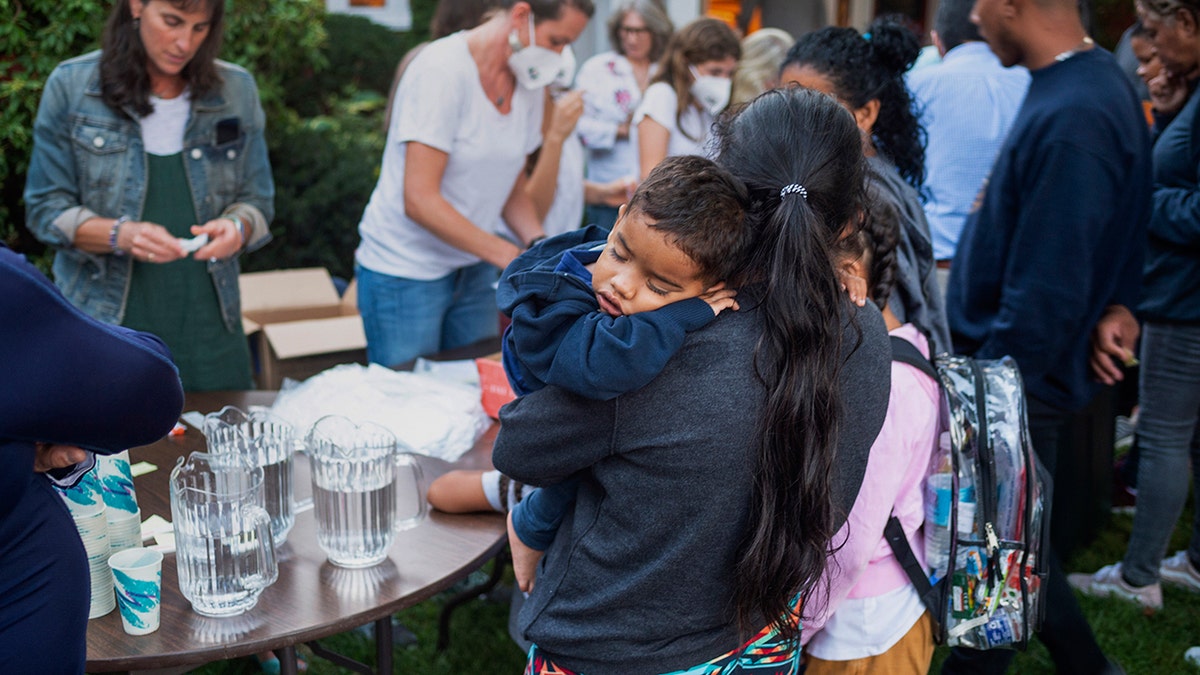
column 149, row 176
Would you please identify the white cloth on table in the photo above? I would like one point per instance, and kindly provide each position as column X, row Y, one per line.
column 433, row 416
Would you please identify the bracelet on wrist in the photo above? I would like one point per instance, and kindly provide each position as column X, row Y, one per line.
column 241, row 226
column 534, row 242
column 112, row 235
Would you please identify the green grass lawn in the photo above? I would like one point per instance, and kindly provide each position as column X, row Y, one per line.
column 1144, row 645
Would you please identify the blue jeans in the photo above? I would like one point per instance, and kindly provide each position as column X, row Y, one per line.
column 407, row 318
column 1168, row 438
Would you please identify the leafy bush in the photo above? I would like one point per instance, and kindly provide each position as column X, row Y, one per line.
column 325, row 169
column 36, row 35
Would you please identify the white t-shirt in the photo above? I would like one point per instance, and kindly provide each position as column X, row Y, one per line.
column 162, row 130
column 441, row 103
column 566, row 212
column 659, row 104
column 864, row 627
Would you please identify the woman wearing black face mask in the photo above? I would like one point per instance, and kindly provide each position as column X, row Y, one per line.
column 467, row 113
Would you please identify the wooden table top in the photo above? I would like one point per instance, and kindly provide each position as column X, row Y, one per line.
column 312, row 598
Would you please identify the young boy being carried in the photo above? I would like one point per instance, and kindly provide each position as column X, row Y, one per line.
column 600, row 313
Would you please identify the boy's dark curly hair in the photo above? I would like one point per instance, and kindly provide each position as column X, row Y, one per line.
column 871, row 66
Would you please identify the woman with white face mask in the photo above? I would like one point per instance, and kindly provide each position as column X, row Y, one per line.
column 692, row 86
column 467, row 113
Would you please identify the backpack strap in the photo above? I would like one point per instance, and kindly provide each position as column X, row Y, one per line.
column 907, row 353
column 929, row 594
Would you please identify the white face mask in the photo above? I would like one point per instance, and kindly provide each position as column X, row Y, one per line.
column 711, row 92
column 534, row 66
column 566, row 72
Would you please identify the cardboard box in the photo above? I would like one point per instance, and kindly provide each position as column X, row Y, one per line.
column 297, row 324
column 493, row 384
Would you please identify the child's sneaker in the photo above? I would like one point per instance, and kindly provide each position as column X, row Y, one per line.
column 1108, row 582
column 1178, row 570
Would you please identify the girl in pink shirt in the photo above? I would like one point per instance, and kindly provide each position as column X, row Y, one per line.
column 866, row 616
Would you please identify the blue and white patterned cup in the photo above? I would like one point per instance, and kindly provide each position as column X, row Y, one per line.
column 137, row 580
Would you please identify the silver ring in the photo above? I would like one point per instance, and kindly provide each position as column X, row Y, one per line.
column 150, row 257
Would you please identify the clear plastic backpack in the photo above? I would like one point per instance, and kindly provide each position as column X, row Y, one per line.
column 987, row 509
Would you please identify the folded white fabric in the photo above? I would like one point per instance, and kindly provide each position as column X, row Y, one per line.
column 432, row 415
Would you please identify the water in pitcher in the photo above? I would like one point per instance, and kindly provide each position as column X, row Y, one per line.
column 219, row 573
column 355, row 518
column 277, row 492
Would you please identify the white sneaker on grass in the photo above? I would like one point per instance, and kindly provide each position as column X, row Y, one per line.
column 1108, row 582
column 1178, row 570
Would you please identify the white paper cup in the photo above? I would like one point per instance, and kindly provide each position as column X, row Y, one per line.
column 116, row 482
column 137, row 580
column 85, row 499
column 125, row 530
column 102, row 600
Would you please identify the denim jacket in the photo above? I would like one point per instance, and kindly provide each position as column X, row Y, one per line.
column 89, row 160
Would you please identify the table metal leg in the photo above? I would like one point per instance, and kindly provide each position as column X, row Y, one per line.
column 498, row 564
column 339, row 660
column 383, row 645
column 287, row 660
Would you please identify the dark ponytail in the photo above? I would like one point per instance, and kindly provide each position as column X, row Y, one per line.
column 788, row 138
column 871, row 66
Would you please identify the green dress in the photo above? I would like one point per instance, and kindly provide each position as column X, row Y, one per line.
column 177, row 300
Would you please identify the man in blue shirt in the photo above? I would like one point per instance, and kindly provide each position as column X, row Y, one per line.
column 1055, row 241
column 967, row 104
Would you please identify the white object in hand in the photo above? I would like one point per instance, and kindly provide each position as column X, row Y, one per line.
column 194, row 244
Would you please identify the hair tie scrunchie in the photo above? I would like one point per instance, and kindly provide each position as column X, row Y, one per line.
column 793, row 188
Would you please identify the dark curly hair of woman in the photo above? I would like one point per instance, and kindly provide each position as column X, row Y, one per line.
column 871, row 66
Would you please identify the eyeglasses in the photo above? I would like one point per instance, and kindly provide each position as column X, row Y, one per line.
column 633, row 32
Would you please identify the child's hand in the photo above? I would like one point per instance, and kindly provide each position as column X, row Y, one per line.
column 525, row 559
column 855, row 287
column 720, row 298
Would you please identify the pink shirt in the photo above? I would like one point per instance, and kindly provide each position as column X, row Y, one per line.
column 865, row 566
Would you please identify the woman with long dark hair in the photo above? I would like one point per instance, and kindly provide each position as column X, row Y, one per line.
column 865, row 72
column 708, row 498
column 149, row 176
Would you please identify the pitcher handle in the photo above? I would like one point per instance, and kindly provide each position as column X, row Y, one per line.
column 266, row 546
column 302, row 505
column 411, row 461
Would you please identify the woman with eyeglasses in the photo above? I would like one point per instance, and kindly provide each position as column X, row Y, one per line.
column 613, row 83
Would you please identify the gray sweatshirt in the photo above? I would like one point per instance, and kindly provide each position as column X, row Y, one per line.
column 639, row 578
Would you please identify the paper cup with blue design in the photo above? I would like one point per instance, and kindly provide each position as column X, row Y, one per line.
column 116, row 484
column 137, row 580
column 86, row 498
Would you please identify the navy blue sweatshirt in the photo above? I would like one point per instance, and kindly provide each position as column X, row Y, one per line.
column 1171, row 286
column 1060, row 231
column 71, row 380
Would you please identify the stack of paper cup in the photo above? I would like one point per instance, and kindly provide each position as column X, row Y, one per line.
column 120, row 498
column 88, row 510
